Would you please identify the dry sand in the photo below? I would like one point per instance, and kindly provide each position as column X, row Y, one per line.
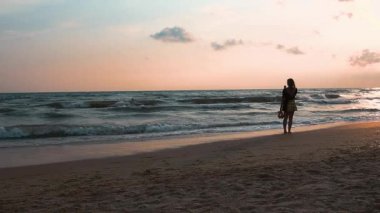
column 327, row 170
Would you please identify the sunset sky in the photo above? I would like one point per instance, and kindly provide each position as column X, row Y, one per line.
column 102, row 45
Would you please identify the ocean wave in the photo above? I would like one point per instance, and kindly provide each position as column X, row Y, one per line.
column 50, row 131
column 145, row 102
column 253, row 99
column 340, row 90
column 57, row 115
column 6, row 133
column 6, row 110
column 254, row 113
column 333, row 101
column 141, row 114
column 66, row 105
column 100, row 104
column 225, row 106
column 104, row 104
column 316, row 96
column 15, row 96
column 348, row 110
column 86, row 104
column 362, row 110
column 180, row 108
column 332, row 96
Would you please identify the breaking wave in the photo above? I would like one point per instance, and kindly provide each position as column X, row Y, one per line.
column 232, row 100
column 48, row 131
column 59, row 116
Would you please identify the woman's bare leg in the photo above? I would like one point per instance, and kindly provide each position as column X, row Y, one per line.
column 290, row 122
column 285, row 121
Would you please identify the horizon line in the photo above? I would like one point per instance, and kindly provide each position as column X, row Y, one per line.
column 178, row 90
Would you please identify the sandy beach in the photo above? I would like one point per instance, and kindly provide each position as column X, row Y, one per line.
column 334, row 169
column 181, row 106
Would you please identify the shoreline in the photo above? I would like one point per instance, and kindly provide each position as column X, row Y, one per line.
column 50, row 154
column 331, row 169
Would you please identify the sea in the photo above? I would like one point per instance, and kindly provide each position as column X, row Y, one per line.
column 41, row 119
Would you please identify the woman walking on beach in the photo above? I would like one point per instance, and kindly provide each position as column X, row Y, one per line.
column 288, row 105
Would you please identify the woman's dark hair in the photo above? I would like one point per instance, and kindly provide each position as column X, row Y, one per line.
column 291, row 83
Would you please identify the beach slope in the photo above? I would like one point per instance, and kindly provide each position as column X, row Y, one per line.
column 333, row 169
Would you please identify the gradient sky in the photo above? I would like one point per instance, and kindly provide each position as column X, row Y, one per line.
column 101, row 45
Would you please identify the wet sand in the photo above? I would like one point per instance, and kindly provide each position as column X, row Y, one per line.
column 323, row 170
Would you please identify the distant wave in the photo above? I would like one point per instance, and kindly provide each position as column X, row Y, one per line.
column 57, row 115
column 333, row 101
column 145, row 102
column 136, row 104
column 263, row 99
column 103, row 104
column 332, row 96
column 87, row 104
column 180, row 108
column 4, row 110
column 318, row 97
column 348, row 110
column 339, row 90
column 141, row 104
column 100, row 104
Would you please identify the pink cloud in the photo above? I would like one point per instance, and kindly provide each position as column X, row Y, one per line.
column 291, row 50
column 366, row 58
column 228, row 43
column 344, row 14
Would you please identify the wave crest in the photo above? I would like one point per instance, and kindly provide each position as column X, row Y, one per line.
column 48, row 131
column 262, row 99
column 332, row 96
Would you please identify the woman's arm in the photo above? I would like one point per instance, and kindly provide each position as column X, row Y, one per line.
column 283, row 98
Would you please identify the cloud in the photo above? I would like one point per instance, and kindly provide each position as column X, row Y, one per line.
column 280, row 46
column 366, row 58
column 345, row 0
column 228, row 43
column 292, row 50
column 174, row 34
column 344, row 14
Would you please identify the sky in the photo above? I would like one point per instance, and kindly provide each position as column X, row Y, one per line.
column 120, row 45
